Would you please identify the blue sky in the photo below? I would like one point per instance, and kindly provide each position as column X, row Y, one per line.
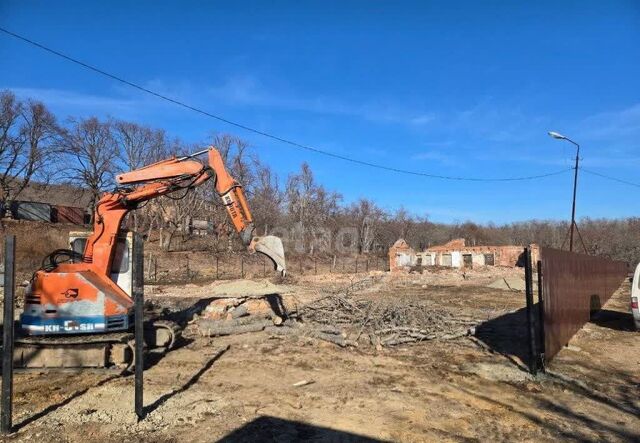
column 449, row 88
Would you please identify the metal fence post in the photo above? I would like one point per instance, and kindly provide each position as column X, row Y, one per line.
column 541, row 341
column 217, row 273
column 242, row 266
column 138, row 298
column 356, row 265
column 315, row 266
column 7, row 334
column 531, row 326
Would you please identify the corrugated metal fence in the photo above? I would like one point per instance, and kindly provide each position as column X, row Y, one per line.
column 31, row 211
column 68, row 214
column 573, row 286
column 21, row 210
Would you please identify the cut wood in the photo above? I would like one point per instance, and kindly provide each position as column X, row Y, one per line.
column 240, row 311
column 303, row 383
column 213, row 329
column 242, row 321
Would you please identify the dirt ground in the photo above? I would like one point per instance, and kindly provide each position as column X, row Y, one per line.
column 241, row 387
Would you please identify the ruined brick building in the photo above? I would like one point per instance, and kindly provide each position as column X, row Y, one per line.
column 456, row 254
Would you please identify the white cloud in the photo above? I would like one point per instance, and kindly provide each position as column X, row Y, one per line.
column 617, row 124
column 243, row 90
column 423, row 119
column 436, row 156
column 59, row 98
column 125, row 103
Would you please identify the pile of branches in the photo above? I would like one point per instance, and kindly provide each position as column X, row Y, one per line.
column 346, row 319
column 383, row 322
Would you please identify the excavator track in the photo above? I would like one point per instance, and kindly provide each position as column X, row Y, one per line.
column 100, row 351
column 111, row 351
column 162, row 334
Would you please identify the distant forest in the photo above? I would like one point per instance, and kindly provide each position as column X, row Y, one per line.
column 37, row 146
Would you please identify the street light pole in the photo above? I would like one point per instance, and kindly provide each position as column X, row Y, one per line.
column 575, row 185
column 573, row 206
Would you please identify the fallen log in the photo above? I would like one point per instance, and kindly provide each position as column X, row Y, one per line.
column 402, row 340
column 330, row 330
column 214, row 329
column 453, row 336
column 400, row 329
column 240, row 311
column 310, row 333
column 242, row 321
column 335, row 339
column 302, row 383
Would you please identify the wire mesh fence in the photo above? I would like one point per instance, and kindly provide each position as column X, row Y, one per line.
column 190, row 268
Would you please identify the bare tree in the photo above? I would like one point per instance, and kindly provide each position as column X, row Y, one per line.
column 93, row 154
column 266, row 200
column 177, row 212
column 29, row 135
column 310, row 208
column 139, row 145
column 368, row 217
column 173, row 214
column 402, row 223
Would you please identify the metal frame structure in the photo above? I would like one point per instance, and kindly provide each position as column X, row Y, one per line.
column 8, row 334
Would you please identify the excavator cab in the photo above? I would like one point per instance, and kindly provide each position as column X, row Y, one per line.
column 104, row 306
column 121, row 267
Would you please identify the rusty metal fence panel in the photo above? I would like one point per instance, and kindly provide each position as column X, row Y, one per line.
column 67, row 214
column 31, row 211
column 574, row 285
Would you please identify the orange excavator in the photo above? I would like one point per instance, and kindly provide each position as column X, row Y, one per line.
column 77, row 311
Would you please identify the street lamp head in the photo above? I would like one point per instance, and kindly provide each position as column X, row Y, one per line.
column 557, row 135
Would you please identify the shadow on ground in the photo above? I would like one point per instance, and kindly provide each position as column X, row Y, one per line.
column 618, row 321
column 272, row 429
column 507, row 335
column 51, row 408
column 184, row 315
column 192, row 381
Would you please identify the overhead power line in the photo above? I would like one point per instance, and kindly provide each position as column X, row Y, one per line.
column 266, row 134
column 608, row 177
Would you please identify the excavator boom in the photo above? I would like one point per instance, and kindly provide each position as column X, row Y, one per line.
column 168, row 176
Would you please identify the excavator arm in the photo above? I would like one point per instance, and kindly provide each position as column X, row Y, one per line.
column 165, row 177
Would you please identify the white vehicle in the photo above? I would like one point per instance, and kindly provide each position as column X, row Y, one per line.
column 635, row 297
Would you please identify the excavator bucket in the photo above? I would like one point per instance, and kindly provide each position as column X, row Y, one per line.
column 272, row 247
